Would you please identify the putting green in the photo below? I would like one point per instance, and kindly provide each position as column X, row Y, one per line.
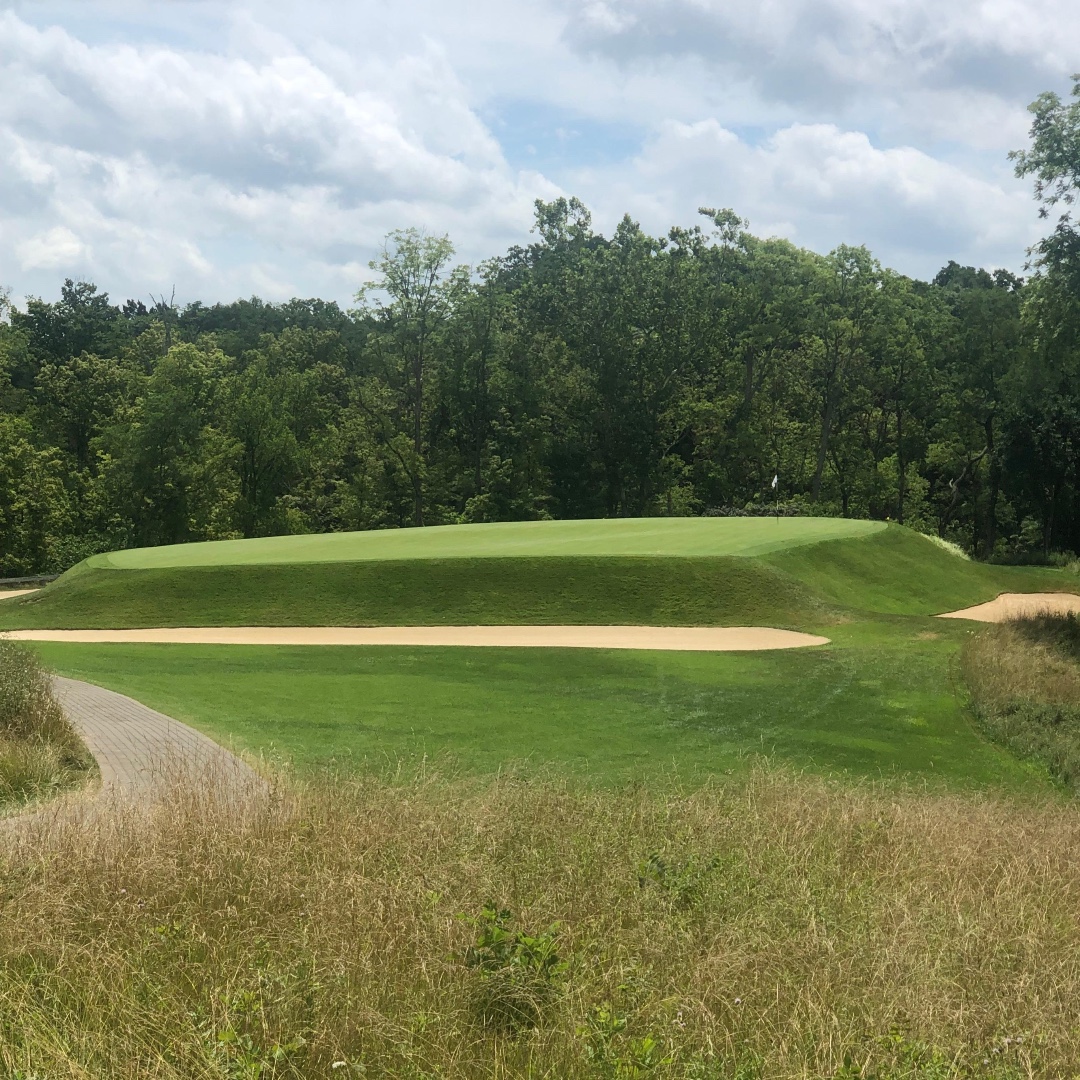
column 608, row 537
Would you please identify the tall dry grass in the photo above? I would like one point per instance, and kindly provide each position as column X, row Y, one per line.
column 1024, row 681
column 40, row 753
column 772, row 926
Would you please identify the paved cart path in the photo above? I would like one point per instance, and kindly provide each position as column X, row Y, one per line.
column 137, row 748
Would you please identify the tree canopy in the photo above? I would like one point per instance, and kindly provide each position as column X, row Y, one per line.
column 582, row 375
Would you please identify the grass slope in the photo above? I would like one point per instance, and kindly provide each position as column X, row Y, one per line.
column 899, row 572
column 892, row 571
column 511, row 539
column 643, row 591
column 877, row 702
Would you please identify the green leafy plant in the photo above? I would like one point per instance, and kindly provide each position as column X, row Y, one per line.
column 613, row 1054
column 519, row 973
column 683, row 883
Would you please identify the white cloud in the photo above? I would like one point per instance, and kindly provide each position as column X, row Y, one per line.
column 841, row 187
column 233, row 148
column 51, row 250
column 266, row 172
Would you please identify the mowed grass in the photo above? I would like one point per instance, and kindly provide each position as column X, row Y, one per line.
column 890, row 570
column 511, row 539
column 878, row 702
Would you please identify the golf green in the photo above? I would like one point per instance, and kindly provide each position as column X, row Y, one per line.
column 609, row 537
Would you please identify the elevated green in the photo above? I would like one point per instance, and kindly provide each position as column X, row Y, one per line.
column 511, row 539
column 878, row 702
column 890, row 570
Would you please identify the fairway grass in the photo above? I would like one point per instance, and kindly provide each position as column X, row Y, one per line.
column 510, row 539
column 878, row 702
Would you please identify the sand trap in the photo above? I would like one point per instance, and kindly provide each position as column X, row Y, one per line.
column 679, row 638
column 1013, row 605
column 7, row 594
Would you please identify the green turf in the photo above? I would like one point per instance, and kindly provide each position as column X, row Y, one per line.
column 642, row 591
column 893, row 571
column 877, row 702
column 511, row 539
column 899, row 572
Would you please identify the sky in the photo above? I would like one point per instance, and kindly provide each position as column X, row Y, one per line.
column 232, row 149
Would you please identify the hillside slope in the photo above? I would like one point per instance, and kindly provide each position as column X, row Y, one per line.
column 796, row 584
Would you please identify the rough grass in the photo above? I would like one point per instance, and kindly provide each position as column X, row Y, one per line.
column 40, row 752
column 893, row 570
column 776, row 927
column 1024, row 679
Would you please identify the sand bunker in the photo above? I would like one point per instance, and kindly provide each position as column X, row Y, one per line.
column 7, row 594
column 1015, row 605
column 674, row 638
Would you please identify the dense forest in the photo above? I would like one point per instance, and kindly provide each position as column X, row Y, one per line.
column 580, row 376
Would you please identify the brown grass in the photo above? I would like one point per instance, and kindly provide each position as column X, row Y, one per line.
column 1025, row 687
column 40, row 753
column 772, row 926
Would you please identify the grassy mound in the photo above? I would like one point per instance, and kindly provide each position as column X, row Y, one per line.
column 799, row 582
column 643, row 591
column 767, row 928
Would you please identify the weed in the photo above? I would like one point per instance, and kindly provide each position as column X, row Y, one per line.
column 1024, row 679
column 519, row 972
column 612, row 1054
column 272, row 938
column 39, row 750
column 683, row 883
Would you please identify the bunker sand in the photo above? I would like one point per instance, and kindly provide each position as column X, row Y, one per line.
column 7, row 594
column 1017, row 605
column 665, row 638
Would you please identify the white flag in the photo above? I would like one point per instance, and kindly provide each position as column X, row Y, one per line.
column 775, row 481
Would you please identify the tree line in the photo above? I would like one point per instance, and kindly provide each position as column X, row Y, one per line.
column 579, row 376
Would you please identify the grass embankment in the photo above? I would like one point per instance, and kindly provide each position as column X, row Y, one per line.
column 878, row 701
column 796, row 584
column 1024, row 678
column 775, row 927
column 40, row 753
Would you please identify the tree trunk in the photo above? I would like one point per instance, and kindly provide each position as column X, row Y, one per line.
column 900, row 466
column 418, row 446
column 823, row 446
column 995, row 483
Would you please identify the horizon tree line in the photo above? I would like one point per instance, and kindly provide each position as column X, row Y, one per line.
column 577, row 376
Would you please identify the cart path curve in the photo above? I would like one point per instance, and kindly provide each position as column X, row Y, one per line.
column 137, row 749
column 680, row 638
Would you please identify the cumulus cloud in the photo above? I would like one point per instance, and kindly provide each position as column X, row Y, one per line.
column 862, row 57
column 203, row 166
column 234, row 149
column 821, row 186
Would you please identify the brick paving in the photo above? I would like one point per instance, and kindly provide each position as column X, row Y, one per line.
column 143, row 756
column 137, row 748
